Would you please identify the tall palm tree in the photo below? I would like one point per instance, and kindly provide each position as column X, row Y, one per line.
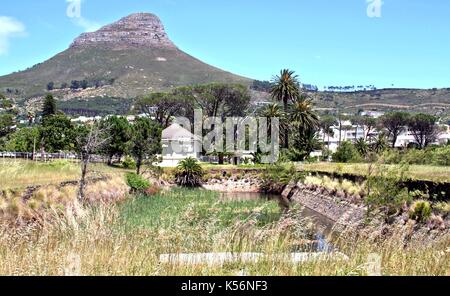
column 285, row 88
column 303, row 116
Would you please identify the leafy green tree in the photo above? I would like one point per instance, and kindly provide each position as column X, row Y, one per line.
column 49, row 106
column 189, row 173
column 6, row 124
column 119, row 131
column 285, row 88
column 346, row 153
column 163, row 106
column 394, row 123
column 145, row 141
column 24, row 140
column 424, row 129
column 57, row 133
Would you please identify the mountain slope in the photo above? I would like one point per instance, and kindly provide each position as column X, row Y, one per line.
column 128, row 58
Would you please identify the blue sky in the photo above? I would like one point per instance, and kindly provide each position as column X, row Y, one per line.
column 327, row 42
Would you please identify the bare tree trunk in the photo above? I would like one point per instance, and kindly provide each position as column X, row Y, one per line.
column 138, row 165
column 286, row 129
column 82, row 185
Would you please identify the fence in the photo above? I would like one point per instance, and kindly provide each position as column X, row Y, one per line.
column 40, row 156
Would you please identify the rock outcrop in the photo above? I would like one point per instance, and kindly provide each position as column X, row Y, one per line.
column 135, row 30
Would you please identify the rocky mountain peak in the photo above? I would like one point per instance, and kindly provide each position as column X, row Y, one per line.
column 135, row 30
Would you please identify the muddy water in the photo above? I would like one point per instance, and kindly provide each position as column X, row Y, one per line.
column 322, row 225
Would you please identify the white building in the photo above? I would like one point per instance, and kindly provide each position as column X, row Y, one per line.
column 178, row 144
column 348, row 132
column 406, row 138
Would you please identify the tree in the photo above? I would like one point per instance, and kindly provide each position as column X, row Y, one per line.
column 119, row 136
column 163, row 106
column 145, row 141
column 84, row 84
column 218, row 99
column 362, row 147
column 89, row 140
column 326, row 123
column 285, row 89
column 302, row 116
column 424, row 129
column 50, row 86
column 6, row 124
column 75, row 84
column 394, row 123
column 49, row 106
column 24, row 140
column 369, row 125
column 274, row 111
column 57, row 133
column 346, row 153
column 357, row 121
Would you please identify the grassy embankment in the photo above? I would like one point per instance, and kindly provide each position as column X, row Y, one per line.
column 415, row 172
column 19, row 174
column 127, row 239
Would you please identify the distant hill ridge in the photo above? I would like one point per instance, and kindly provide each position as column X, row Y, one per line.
column 130, row 57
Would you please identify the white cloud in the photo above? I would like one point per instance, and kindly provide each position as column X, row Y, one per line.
column 9, row 27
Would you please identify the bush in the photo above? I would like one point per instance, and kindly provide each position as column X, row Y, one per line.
column 129, row 163
column 189, row 173
column 420, row 211
column 346, row 153
column 441, row 156
column 137, row 183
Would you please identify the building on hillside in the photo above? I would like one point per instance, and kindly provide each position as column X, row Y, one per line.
column 178, row 144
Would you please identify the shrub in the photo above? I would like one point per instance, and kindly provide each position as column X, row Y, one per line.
column 346, row 153
column 442, row 208
column 129, row 163
column 189, row 173
column 441, row 156
column 137, row 183
column 420, row 211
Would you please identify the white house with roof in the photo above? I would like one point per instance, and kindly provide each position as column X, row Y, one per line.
column 177, row 144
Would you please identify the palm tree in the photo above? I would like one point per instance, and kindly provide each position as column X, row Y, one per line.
column 285, row 88
column 189, row 173
column 362, row 146
column 302, row 115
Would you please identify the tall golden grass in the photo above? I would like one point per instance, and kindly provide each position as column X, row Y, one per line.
column 127, row 239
